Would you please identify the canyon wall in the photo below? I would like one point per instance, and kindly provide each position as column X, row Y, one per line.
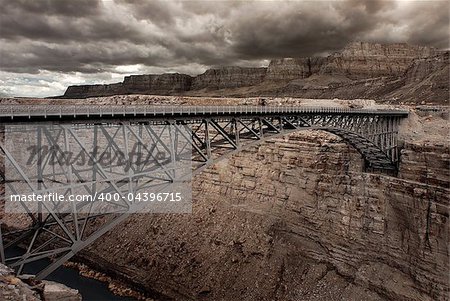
column 293, row 68
column 367, row 60
column 144, row 84
column 295, row 218
column 424, row 67
column 173, row 83
column 360, row 70
column 357, row 60
column 229, row 77
column 84, row 91
column 427, row 79
column 157, row 84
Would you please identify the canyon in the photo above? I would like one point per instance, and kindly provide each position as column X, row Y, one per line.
column 391, row 73
column 225, row 150
column 294, row 218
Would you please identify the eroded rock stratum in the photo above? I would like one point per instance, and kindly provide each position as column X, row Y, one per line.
column 294, row 218
column 389, row 72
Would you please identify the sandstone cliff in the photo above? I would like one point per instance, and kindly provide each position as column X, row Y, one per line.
column 424, row 67
column 84, row 91
column 157, row 84
column 229, row 77
column 367, row 60
column 360, row 70
column 166, row 84
column 293, row 68
column 427, row 79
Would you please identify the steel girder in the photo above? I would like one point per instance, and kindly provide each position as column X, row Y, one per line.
column 374, row 137
column 59, row 231
column 60, row 235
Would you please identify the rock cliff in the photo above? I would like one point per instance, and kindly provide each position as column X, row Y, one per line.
column 169, row 83
column 84, row 91
column 360, row 70
column 427, row 79
column 157, row 84
column 293, row 68
column 424, row 67
column 229, row 77
column 367, row 60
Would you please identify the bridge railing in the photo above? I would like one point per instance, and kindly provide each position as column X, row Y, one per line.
column 124, row 110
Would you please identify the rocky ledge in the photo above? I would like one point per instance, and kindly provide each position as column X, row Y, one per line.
column 25, row 288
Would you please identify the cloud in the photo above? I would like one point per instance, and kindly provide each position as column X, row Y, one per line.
column 92, row 38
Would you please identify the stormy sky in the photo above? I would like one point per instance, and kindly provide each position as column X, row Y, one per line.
column 46, row 45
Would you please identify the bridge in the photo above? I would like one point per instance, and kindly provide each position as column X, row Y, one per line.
column 198, row 135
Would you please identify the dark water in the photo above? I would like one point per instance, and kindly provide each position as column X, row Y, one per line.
column 90, row 289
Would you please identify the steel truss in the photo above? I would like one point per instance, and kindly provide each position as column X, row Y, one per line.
column 200, row 138
column 374, row 137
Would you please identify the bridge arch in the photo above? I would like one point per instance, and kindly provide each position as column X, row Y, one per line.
column 374, row 158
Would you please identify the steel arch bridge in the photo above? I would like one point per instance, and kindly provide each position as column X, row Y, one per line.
column 201, row 135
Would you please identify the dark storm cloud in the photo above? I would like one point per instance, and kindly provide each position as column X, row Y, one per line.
column 67, row 8
column 88, row 58
column 430, row 23
column 94, row 36
column 307, row 29
column 61, row 21
column 157, row 11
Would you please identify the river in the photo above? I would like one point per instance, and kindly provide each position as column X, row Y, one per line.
column 90, row 289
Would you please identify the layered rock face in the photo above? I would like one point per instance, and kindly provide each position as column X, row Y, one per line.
column 427, row 79
column 296, row 219
column 394, row 73
column 366, row 60
column 229, row 77
column 424, row 67
column 173, row 83
column 145, row 84
column 155, row 83
column 84, row 91
column 293, row 68
column 428, row 164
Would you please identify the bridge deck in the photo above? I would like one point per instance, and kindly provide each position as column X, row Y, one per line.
column 26, row 113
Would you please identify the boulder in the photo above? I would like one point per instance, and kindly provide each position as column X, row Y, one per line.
column 54, row 291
